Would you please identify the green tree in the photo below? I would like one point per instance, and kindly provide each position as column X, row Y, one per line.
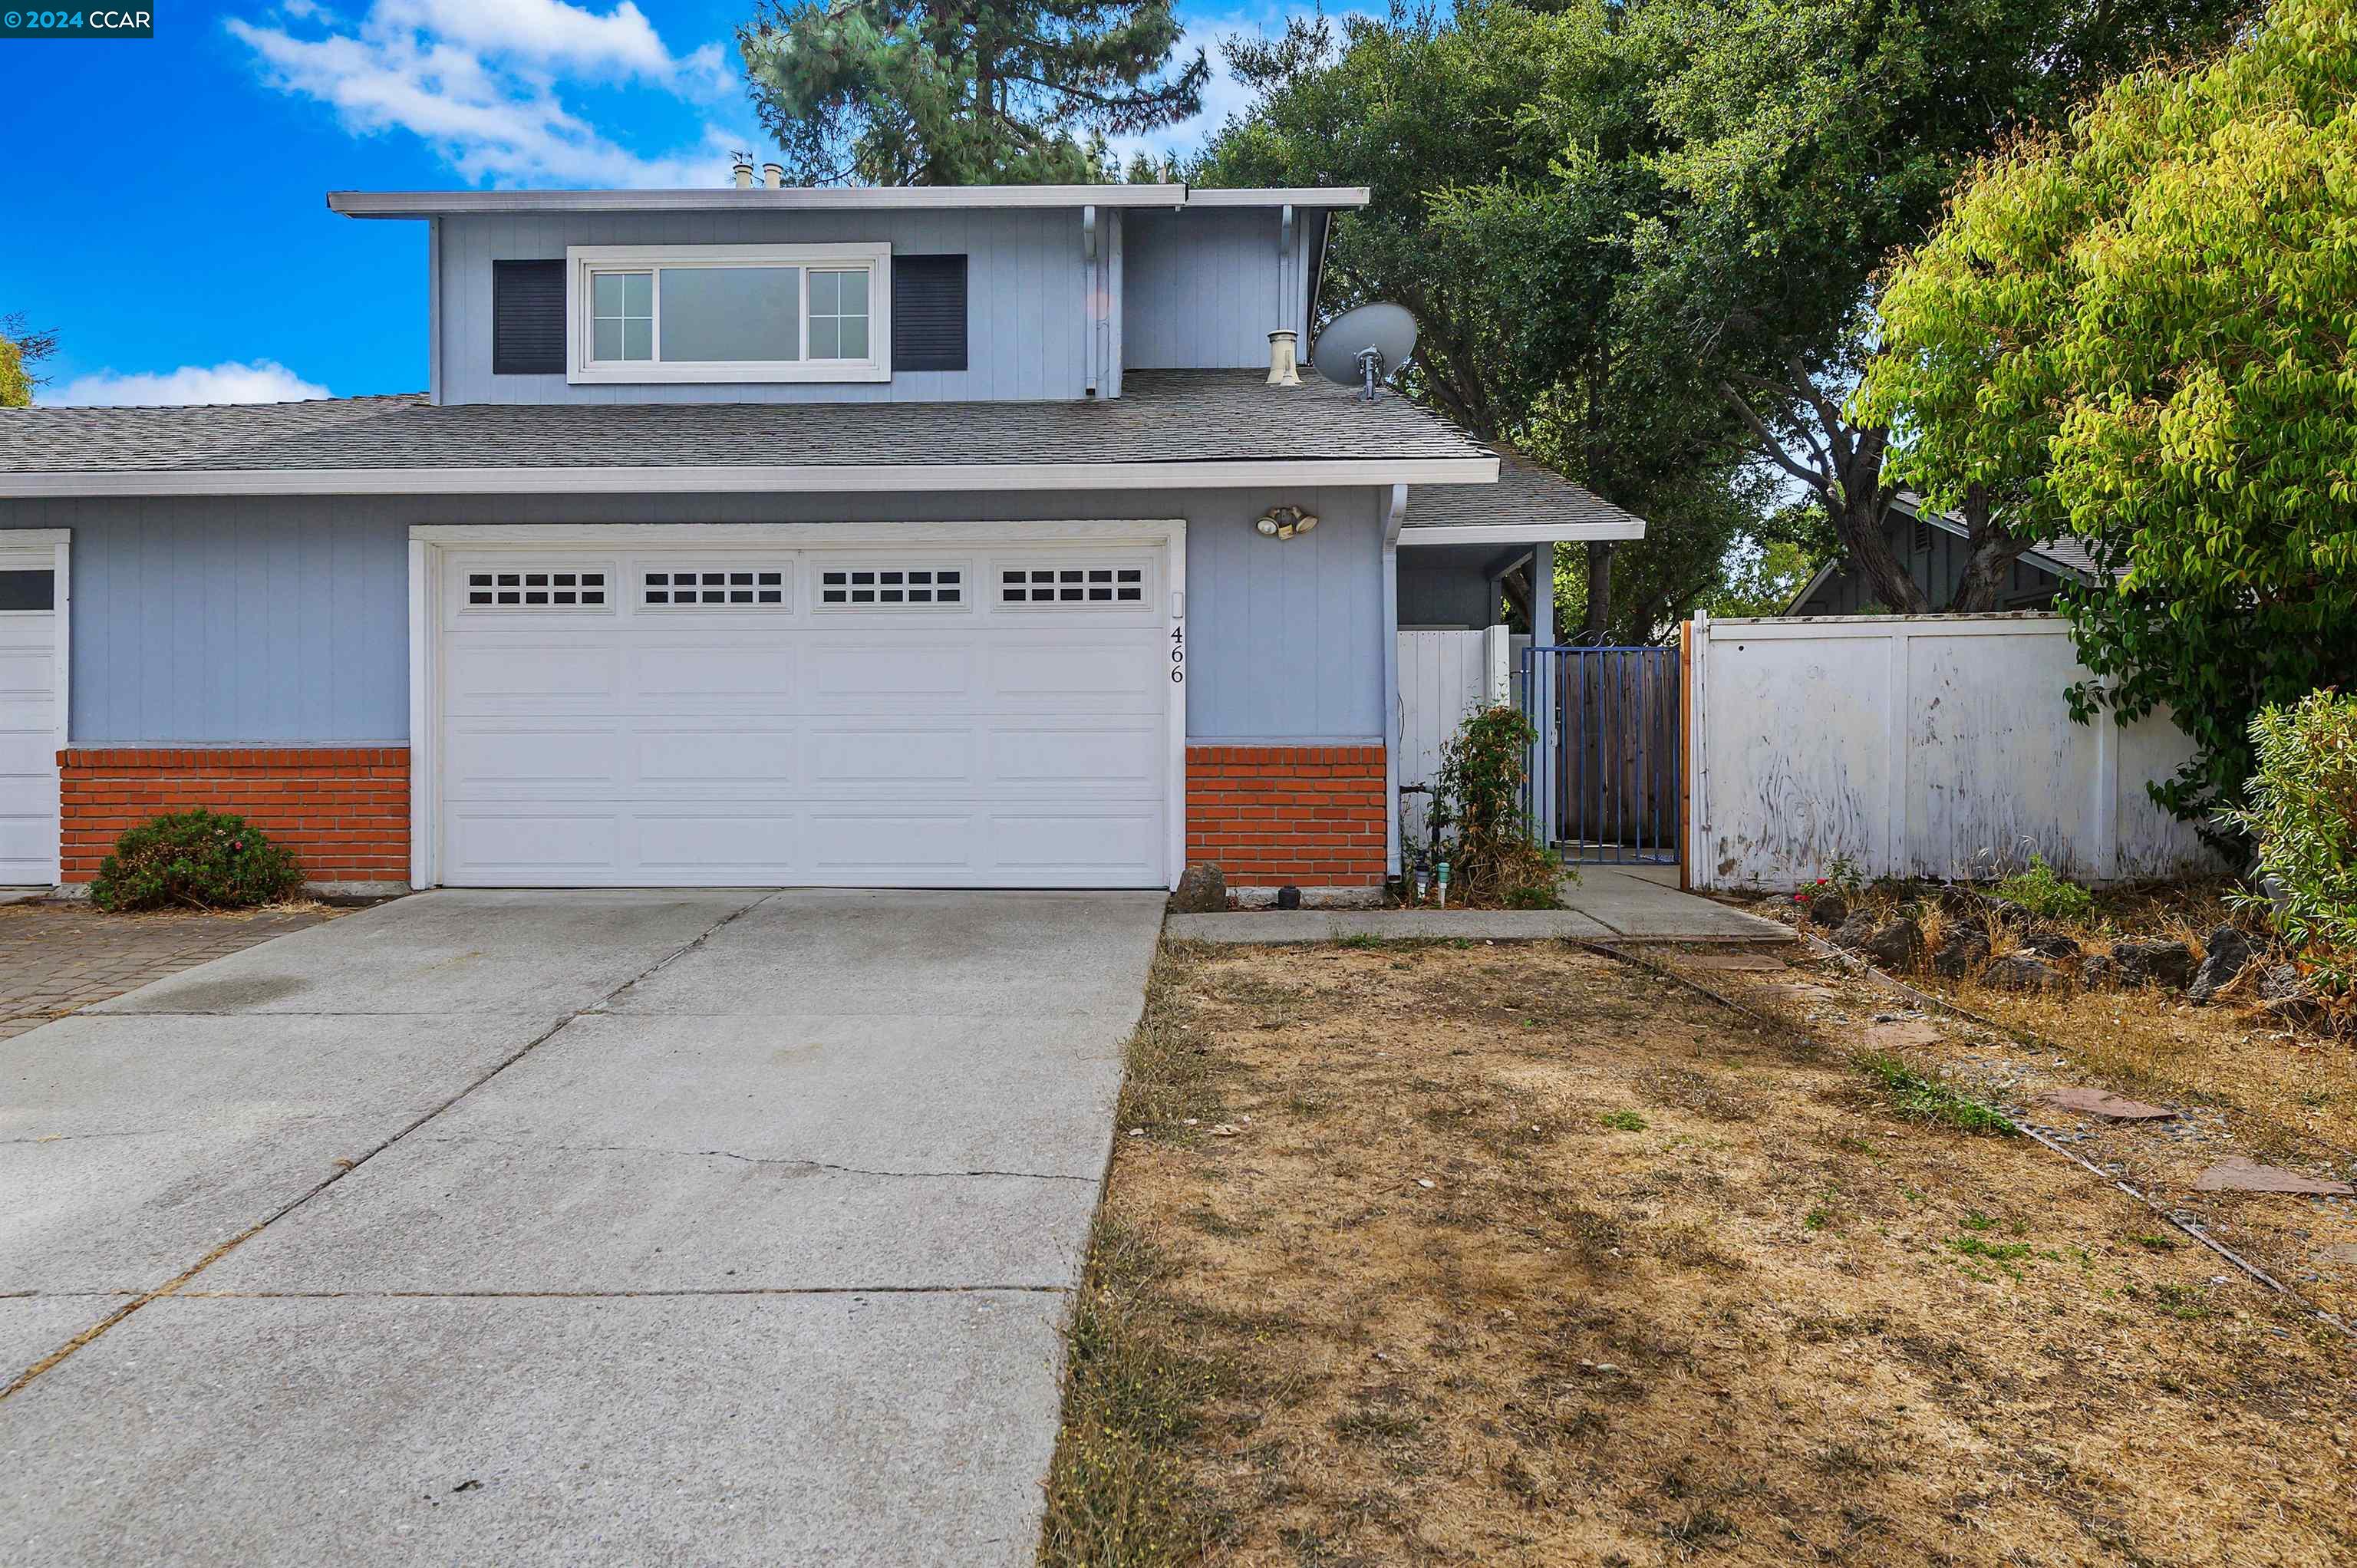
column 1808, row 140
column 21, row 348
column 950, row 92
column 1510, row 154
column 2139, row 330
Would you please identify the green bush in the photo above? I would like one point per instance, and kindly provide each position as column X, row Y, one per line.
column 2045, row 894
column 1479, row 794
column 2302, row 820
column 198, row 860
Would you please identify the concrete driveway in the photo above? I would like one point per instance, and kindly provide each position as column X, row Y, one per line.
column 518, row 1228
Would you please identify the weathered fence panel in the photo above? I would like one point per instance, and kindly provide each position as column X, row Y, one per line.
column 1443, row 676
column 1607, row 783
column 1916, row 746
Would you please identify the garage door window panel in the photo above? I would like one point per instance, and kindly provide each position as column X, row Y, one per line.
column 892, row 587
column 536, row 588
column 1092, row 585
column 681, row 587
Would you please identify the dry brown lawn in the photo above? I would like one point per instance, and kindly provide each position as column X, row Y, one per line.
column 1521, row 1254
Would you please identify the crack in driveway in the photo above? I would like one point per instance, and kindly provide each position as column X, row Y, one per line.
column 748, row 1159
column 174, row 1286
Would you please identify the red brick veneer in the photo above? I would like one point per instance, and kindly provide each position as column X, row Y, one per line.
column 1267, row 815
column 344, row 810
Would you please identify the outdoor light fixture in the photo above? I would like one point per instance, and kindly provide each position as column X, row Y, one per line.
column 1285, row 521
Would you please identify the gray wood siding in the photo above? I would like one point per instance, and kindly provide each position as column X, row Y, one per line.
column 1030, row 337
column 200, row 621
column 1936, row 570
column 1448, row 585
column 1205, row 287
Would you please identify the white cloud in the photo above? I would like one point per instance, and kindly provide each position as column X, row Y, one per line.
column 481, row 83
column 263, row 380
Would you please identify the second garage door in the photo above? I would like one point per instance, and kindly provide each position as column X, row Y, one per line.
column 938, row 717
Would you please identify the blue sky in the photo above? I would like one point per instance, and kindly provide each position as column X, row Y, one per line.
column 165, row 198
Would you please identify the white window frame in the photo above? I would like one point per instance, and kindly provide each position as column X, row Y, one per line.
column 583, row 262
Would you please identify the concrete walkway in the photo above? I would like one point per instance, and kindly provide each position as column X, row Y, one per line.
column 591, row 1228
column 1607, row 904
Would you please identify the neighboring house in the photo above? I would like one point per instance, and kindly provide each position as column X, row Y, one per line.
column 865, row 538
column 1933, row 546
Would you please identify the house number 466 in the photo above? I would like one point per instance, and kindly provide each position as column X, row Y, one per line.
column 1178, row 654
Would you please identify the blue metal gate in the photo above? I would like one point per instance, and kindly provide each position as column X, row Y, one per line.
column 1604, row 778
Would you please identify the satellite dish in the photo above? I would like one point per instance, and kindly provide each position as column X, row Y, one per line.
column 1361, row 348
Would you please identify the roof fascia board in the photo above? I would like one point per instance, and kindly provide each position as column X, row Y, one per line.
column 824, row 199
column 1325, row 195
column 1414, row 534
column 863, row 478
column 727, row 199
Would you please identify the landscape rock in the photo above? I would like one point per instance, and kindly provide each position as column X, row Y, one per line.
column 2050, row 945
column 1203, row 890
column 2229, row 954
column 2020, row 971
column 2280, row 980
column 2099, row 974
column 1962, row 950
column 1828, row 909
column 1856, row 931
column 1898, row 946
column 2295, row 1008
column 2151, row 961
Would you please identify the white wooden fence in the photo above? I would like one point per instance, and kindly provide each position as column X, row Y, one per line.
column 1924, row 745
column 1443, row 676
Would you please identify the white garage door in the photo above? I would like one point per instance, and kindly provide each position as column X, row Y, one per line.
column 32, row 699
column 958, row 715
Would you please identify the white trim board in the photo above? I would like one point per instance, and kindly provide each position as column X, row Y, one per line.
column 427, row 543
column 1412, row 535
column 821, row 478
column 829, row 199
column 59, row 543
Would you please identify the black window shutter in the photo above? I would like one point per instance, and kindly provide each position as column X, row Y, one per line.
column 528, row 318
column 928, row 313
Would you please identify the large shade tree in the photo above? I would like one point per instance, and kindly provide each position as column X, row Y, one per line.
column 1511, row 157
column 1809, row 140
column 2139, row 331
column 955, row 93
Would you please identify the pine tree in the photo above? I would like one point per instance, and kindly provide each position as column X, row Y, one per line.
column 964, row 92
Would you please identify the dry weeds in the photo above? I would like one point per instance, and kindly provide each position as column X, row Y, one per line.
column 1527, row 1256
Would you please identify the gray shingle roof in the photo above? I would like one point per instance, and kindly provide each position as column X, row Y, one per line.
column 1166, row 416
column 2063, row 555
column 1526, row 494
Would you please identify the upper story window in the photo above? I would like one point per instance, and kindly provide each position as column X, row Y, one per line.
column 729, row 313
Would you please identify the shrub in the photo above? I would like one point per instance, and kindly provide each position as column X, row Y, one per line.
column 1479, row 794
column 2044, row 893
column 200, row 859
column 2302, row 818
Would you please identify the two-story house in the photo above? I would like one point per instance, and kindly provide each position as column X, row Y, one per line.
column 945, row 537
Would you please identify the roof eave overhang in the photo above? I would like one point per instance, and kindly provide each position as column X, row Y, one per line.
column 826, row 198
column 1518, row 532
column 820, row 477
